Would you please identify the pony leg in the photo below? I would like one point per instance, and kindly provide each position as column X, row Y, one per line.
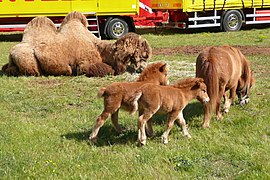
column 114, row 118
column 207, row 116
column 226, row 102
column 170, row 121
column 229, row 101
column 99, row 123
column 183, row 124
column 149, row 128
column 218, row 103
column 141, row 127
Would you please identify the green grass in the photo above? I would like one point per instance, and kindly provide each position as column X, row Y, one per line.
column 45, row 123
column 253, row 37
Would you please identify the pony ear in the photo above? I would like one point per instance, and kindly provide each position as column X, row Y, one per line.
column 197, row 85
column 163, row 68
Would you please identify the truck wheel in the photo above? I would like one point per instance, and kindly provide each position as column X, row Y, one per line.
column 232, row 21
column 116, row 28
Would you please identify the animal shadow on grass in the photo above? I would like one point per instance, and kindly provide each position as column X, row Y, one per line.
column 107, row 136
column 191, row 111
column 14, row 37
column 1, row 72
column 194, row 109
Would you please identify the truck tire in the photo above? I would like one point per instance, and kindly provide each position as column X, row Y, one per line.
column 232, row 21
column 116, row 28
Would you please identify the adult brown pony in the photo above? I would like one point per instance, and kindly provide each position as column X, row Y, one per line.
column 169, row 100
column 117, row 95
column 223, row 69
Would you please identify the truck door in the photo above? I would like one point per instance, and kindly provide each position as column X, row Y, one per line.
column 84, row 6
column 117, row 7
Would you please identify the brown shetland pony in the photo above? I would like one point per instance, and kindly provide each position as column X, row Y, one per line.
column 170, row 100
column 223, row 69
column 117, row 95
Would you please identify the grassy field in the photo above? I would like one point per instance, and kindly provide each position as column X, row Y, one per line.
column 45, row 123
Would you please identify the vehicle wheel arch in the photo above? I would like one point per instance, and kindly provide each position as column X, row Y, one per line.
column 228, row 11
column 128, row 21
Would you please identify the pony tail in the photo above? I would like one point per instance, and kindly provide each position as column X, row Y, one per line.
column 212, row 86
column 133, row 101
column 101, row 92
column 246, row 73
column 205, row 68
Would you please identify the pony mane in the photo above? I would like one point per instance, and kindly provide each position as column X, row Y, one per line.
column 188, row 82
column 75, row 15
column 149, row 71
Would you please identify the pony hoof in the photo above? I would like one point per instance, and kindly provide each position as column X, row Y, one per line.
column 122, row 131
column 188, row 136
column 219, row 117
column 205, row 126
column 165, row 140
column 93, row 139
column 142, row 143
column 150, row 134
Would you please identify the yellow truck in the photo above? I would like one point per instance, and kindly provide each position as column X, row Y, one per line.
column 229, row 15
column 110, row 18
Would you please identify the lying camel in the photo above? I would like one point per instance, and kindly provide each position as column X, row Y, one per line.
column 73, row 50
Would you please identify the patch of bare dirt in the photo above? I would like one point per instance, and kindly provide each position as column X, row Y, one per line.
column 47, row 83
column 193, row 50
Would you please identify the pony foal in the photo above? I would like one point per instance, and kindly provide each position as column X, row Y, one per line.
column 118, row 95
column 170, row 100
column 223, row 69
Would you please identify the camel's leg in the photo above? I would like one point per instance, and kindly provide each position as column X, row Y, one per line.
column 22, row 61
column 52, row 63
column 170, row 121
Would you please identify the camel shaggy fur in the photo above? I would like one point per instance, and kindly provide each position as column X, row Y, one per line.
column 129, row 53
column 73, row 50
